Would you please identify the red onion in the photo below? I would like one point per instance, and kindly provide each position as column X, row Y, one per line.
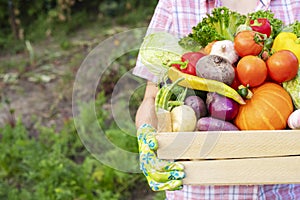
column 221, row 107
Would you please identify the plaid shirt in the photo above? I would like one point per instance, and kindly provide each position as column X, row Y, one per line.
column 178, row 17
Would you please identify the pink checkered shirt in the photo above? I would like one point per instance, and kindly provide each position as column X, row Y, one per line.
column 178, row 17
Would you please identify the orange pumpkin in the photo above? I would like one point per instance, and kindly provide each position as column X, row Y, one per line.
column 268, row 109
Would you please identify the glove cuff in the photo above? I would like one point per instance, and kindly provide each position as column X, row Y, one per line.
column 145, row 135
column 147, row 126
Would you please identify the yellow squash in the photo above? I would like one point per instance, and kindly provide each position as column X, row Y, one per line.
column 197, row 83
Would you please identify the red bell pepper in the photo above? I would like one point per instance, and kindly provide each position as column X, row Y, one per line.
column 261, row 25
column 188, row 62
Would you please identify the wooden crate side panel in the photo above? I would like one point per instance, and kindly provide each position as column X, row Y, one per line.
column 238, row 144
column 281, row 170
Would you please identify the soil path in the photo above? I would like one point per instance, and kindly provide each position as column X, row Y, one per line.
column 40, row 93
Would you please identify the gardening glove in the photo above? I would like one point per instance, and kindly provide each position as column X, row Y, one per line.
column 160, row 174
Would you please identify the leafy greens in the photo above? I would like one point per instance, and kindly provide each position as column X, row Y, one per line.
column 221, row 24
column 294, row 28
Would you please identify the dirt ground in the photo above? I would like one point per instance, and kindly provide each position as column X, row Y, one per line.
column 41, row 92
column 38, row 102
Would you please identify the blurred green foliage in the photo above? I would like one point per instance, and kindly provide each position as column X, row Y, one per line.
column 33, row 20
column 56, row 165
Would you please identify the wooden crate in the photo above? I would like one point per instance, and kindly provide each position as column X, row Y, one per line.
column 234, row 158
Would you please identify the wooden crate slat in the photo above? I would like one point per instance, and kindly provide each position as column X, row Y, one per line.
column 250, row 171
column 224, row 144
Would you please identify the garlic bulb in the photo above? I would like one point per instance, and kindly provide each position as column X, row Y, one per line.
column 294, row 120
column 225, row 49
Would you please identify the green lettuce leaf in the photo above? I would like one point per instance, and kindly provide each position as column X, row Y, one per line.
column 157, row 50
column 293, row 88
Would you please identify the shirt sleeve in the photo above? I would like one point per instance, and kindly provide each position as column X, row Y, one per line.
column 160, row 21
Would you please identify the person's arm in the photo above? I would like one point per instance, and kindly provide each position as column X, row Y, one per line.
column 146, row 112
column 160, row 174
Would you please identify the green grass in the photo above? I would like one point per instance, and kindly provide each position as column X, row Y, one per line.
column 56, row 165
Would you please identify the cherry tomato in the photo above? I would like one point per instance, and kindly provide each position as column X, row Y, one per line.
column 282, row 66
column 252, row 71
column 245, row 44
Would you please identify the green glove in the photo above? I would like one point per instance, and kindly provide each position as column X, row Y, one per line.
column 160, row 174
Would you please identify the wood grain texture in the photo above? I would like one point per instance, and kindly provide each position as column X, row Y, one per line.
column 164, row 122
column 220, row 145
column 251, row 171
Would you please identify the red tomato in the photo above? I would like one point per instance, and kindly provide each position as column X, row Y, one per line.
column 245, row 44
column 282, row 66
column 252, row 71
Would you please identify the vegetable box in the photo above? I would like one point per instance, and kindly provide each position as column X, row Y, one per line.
column 218, row 85
column 234, row 157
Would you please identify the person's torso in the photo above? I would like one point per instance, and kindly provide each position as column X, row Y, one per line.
column 188, row 13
